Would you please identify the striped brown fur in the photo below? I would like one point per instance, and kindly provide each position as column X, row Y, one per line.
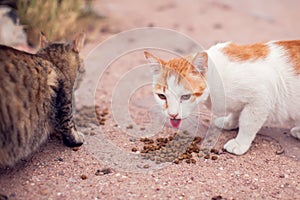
column 36, row 97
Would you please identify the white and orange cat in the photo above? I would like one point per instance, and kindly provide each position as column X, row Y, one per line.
column 253, row 85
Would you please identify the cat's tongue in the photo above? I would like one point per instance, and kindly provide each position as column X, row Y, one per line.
column 175, row 122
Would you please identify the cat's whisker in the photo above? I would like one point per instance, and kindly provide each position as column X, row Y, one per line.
column 196, row 118
column 204, row 120
column 192, row 120
column 201, row 115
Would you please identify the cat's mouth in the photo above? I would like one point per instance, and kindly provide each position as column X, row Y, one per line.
column 175, row 122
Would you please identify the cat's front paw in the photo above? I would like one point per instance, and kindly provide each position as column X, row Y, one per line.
column 234, row 147
column 225, row 123
column 76, row 138
column 295, row 132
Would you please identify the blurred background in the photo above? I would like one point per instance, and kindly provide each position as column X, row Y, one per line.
column 206, row 21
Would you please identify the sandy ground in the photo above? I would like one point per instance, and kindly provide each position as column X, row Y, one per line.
column 105, row 168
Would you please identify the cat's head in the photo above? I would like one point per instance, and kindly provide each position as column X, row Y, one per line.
column 65, row 56
column 178, row 84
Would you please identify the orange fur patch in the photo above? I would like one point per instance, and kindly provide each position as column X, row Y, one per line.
column 185, row 74
column 149, row 55
column 293, row 52
column 160, row 87
column 250, row 52
column 166, row 105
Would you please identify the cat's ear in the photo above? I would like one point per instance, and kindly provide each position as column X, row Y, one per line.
column 78, row 42
column 43, row 40
column 156, row 63
column 199, row 61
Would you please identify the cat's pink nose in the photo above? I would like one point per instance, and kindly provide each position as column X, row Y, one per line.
column 173, row 115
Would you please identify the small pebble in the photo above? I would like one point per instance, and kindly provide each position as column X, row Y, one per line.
column 281, row 176
column 130, row 126
column 206, row 156
column 92, row 133
column 60, row 159
column 103, row 171
column 219, row 197
column 42, row 192
column 61, row 173
column 280, row 151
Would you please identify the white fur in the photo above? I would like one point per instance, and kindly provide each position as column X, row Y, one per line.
column 182, row 109
column 252, row 94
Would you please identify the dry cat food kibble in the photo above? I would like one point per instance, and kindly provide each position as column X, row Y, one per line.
column 101, row 116
column 134, row 149
column 75, row 148
column 176, row 148
column 104, row 112
column 214, row 157
column 83, row 177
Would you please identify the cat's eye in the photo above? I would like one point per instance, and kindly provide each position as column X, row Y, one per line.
column 162, row 96
column 185, row 97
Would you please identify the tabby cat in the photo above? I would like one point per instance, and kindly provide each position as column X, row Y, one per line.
column 260, row 83
column 36, row 97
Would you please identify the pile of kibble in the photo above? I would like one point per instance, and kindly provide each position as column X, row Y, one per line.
column 180, row 146
column 101, row 115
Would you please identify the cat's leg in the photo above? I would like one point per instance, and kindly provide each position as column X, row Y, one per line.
column 296, row 132
column 65, row 122
column 228, row 122
column 251, row 120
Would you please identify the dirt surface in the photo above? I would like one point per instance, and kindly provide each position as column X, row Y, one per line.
column 118, row 85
